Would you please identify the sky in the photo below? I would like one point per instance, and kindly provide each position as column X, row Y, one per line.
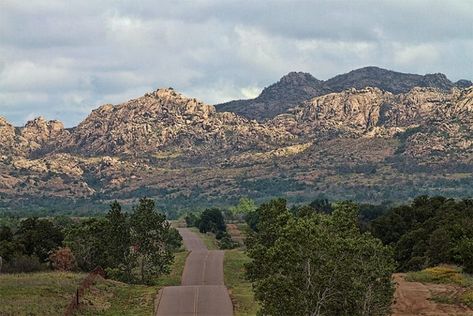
column 61, row 59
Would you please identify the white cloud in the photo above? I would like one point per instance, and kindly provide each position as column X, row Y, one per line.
column 62, row 58
column 416, row 54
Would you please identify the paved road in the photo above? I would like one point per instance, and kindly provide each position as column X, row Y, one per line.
column 202, row 290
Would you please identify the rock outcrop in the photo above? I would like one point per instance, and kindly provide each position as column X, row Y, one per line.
column 295, row 88
column 166, row 120
column 362, row 144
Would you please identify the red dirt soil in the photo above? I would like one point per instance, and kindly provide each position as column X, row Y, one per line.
column 414, row 298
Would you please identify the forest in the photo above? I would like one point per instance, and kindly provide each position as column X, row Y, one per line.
column 332, row 257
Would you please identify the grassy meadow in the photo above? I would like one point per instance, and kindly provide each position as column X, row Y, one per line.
column 49, row 293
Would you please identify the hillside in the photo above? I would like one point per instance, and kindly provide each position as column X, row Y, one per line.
column 363, row 144
column 296, row 87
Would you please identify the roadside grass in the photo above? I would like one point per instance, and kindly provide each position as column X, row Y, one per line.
column 208, row 239
column 43, row 293
column 174, row 277
column 239, row 287
column 450, row 275
column 49, row 293
column 443, row 274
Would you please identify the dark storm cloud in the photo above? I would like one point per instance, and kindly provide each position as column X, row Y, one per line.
column 61, row 59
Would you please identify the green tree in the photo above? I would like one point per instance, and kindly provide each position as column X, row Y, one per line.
column 38, row 237
column 318, row 264
column 119, row 244
column 89, row 243
column 8, row 246
column 211, row 220
column 465, row 250
column 245, row 206
column 154, row 240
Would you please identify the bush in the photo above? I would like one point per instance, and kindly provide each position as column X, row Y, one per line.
column 226, row 242
column 62, row 259
column 220, row 234
column 23, row 264
column 212, row 220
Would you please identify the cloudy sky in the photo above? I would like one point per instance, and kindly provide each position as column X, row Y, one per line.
column 60, row 59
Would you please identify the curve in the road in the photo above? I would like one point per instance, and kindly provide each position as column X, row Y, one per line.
column 202, row 290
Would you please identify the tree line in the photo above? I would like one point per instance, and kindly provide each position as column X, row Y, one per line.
column 135, row 247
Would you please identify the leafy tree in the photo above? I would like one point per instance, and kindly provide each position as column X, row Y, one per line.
column 427, row 232
column 465, row 250
column 119, row 244
column 38, row 237
column 212, row 220
column 8, row 247
column 89, row 243
column 192, row 220
column 245, row 206
column 154, row 238
column 318, row 264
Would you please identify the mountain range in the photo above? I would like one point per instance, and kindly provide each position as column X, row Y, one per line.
column 369, row 135
column 296, row 87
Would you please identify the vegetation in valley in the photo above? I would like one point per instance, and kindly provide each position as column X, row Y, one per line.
column 211, row 221
column 135, row 248
column 322, row 263
column 428, row 232
column 334, row 257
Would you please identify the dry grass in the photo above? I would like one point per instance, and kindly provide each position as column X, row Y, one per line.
column 49, row 293
column 450, row 275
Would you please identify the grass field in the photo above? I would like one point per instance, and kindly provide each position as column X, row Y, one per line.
column 208, row 239
column 450, row 275
column 48, row 293
column 240, row 289
column 45, row 293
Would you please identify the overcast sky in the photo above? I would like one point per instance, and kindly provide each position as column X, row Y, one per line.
column 61, row 59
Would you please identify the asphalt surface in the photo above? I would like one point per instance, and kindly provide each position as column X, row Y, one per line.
column 202, row 290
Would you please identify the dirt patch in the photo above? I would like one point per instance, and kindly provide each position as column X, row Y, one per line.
column 415, row 298
column 235, row 233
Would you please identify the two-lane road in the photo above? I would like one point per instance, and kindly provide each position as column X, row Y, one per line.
column 202, row 290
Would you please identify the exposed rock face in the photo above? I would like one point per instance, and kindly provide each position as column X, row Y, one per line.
column 41, row 134
column 7, row 137
column 294, row 88
column 360, row 111
column 163, row 120
column 362, row 144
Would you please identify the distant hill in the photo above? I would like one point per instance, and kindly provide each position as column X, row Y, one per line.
column 296, row 87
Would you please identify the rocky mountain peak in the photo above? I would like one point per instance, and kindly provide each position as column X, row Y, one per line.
column 163, row 119
column 292, row 87
column 462, row 83
column 297, row 77
column 7, row 136
column 297, row 87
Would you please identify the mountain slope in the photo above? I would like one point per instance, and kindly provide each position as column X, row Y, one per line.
column 362, row 144
column 295, row 88
column 289, row 91
column 166, row 120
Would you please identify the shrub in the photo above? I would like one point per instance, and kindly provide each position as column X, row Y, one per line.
column 62, row 259
column 227, row 243
column 23, row 264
